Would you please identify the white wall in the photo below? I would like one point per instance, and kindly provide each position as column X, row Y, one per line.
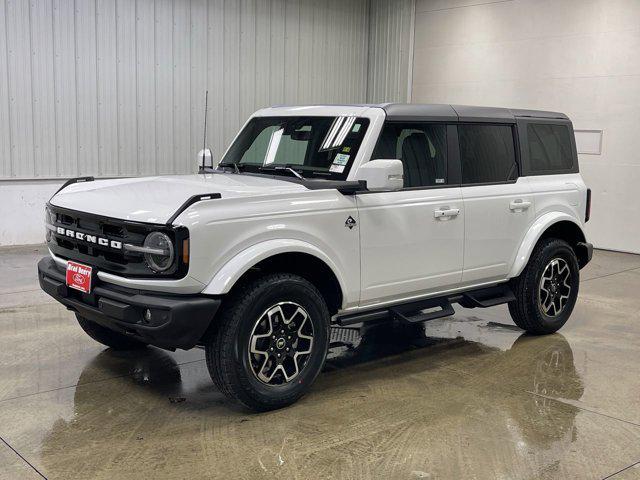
column 580, row 57
column 22, row 210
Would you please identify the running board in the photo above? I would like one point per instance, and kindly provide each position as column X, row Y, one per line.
column 423, row 311
column 432, row 308
column 487, row 297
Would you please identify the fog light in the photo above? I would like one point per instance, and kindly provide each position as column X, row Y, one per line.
column 147, row 315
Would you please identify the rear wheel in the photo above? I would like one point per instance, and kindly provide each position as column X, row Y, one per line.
column 107, row 337
column 270, row 342
column 547, row 289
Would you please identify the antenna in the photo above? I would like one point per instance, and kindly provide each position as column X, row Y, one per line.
column 204, row 140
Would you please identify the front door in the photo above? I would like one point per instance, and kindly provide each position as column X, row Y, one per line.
column 412, row 240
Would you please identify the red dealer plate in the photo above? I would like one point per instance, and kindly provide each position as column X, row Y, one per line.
column 79, row 276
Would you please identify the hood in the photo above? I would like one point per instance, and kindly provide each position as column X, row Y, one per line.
column 155, row 199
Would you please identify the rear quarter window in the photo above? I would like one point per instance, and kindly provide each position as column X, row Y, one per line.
column 550, row 148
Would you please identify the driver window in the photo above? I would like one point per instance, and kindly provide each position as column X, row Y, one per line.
column 421, row 147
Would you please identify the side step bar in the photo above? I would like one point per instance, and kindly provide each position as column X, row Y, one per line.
column 423, row 311
column 487, row 297
column 432, row 308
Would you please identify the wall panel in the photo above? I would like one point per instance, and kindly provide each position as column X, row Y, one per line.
column 390, row 50
column 579, row 57
column 19, row 74
column 5, row 133
column 116, row 87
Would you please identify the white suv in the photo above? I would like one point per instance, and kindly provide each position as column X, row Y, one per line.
column 326, row 215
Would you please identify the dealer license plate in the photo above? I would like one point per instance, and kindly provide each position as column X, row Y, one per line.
column 79, row 276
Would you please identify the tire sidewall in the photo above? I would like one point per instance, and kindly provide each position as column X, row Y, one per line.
column 283, row 290
column 556, row 249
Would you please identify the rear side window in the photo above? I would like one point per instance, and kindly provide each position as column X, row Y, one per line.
column 487, row 153
column 549, row 147
column 422, row 148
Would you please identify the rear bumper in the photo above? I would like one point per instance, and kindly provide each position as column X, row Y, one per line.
column 177, row 321
column 584, row 252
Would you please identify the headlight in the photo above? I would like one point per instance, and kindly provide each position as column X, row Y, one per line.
column 163, row 259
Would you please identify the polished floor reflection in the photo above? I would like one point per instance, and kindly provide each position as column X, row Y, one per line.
column 467, row 397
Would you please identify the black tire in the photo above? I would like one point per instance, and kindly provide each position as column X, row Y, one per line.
column 527, row 310
column 232, row 367
column 107, row 337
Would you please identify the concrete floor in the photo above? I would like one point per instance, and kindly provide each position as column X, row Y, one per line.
column 467, row 397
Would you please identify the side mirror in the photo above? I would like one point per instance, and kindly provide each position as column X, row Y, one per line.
column 382, row 174
column 205, row 158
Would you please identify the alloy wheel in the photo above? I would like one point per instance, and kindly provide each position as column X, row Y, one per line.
column 280, row 343
column 555, row 287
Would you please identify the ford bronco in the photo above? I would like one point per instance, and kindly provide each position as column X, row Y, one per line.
column 325, row 215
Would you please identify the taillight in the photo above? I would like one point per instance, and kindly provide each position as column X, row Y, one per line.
column 587, row 212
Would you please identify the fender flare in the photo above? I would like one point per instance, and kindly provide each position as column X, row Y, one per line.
column 227, row 276
column 533, row 235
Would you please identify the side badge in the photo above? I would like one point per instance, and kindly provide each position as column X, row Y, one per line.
column 350, row 222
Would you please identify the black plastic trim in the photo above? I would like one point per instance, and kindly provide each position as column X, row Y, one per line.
column 584, row 251
column 71, row 182
column 190, row 201
column 177, row 321
column 343, row 186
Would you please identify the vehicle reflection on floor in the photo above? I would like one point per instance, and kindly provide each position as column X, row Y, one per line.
column 446, row 396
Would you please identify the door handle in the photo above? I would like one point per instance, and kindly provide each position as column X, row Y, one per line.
column 446, row 212
column 519, row 205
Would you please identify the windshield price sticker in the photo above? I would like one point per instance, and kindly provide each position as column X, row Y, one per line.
column 336, row 168
column 79, row 276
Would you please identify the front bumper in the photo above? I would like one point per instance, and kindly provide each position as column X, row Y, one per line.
column 177, row 321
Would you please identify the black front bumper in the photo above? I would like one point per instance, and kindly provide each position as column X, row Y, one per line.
column 176, row 321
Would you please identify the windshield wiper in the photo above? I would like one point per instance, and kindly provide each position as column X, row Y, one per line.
column 234, row 165
column 280, row 168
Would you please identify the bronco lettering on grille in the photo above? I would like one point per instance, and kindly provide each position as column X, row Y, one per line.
column 105, row 242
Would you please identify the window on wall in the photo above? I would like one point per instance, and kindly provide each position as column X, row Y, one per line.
column 421, row 147
column 549, row 147
column 487, row 153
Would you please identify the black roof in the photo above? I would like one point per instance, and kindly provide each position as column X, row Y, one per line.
column 462, row 113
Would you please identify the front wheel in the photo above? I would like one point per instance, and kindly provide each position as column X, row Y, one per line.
column 270, row 342
column 547, row 289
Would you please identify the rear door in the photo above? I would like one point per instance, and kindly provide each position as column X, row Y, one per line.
column 498, row 203
column 412, row 239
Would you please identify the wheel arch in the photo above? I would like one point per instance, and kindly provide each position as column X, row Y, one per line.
column 551, row 225
column 283, row 255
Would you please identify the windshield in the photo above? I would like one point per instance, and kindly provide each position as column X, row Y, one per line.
column 312, row 146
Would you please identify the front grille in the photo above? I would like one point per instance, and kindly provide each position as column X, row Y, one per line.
column 104, row 257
